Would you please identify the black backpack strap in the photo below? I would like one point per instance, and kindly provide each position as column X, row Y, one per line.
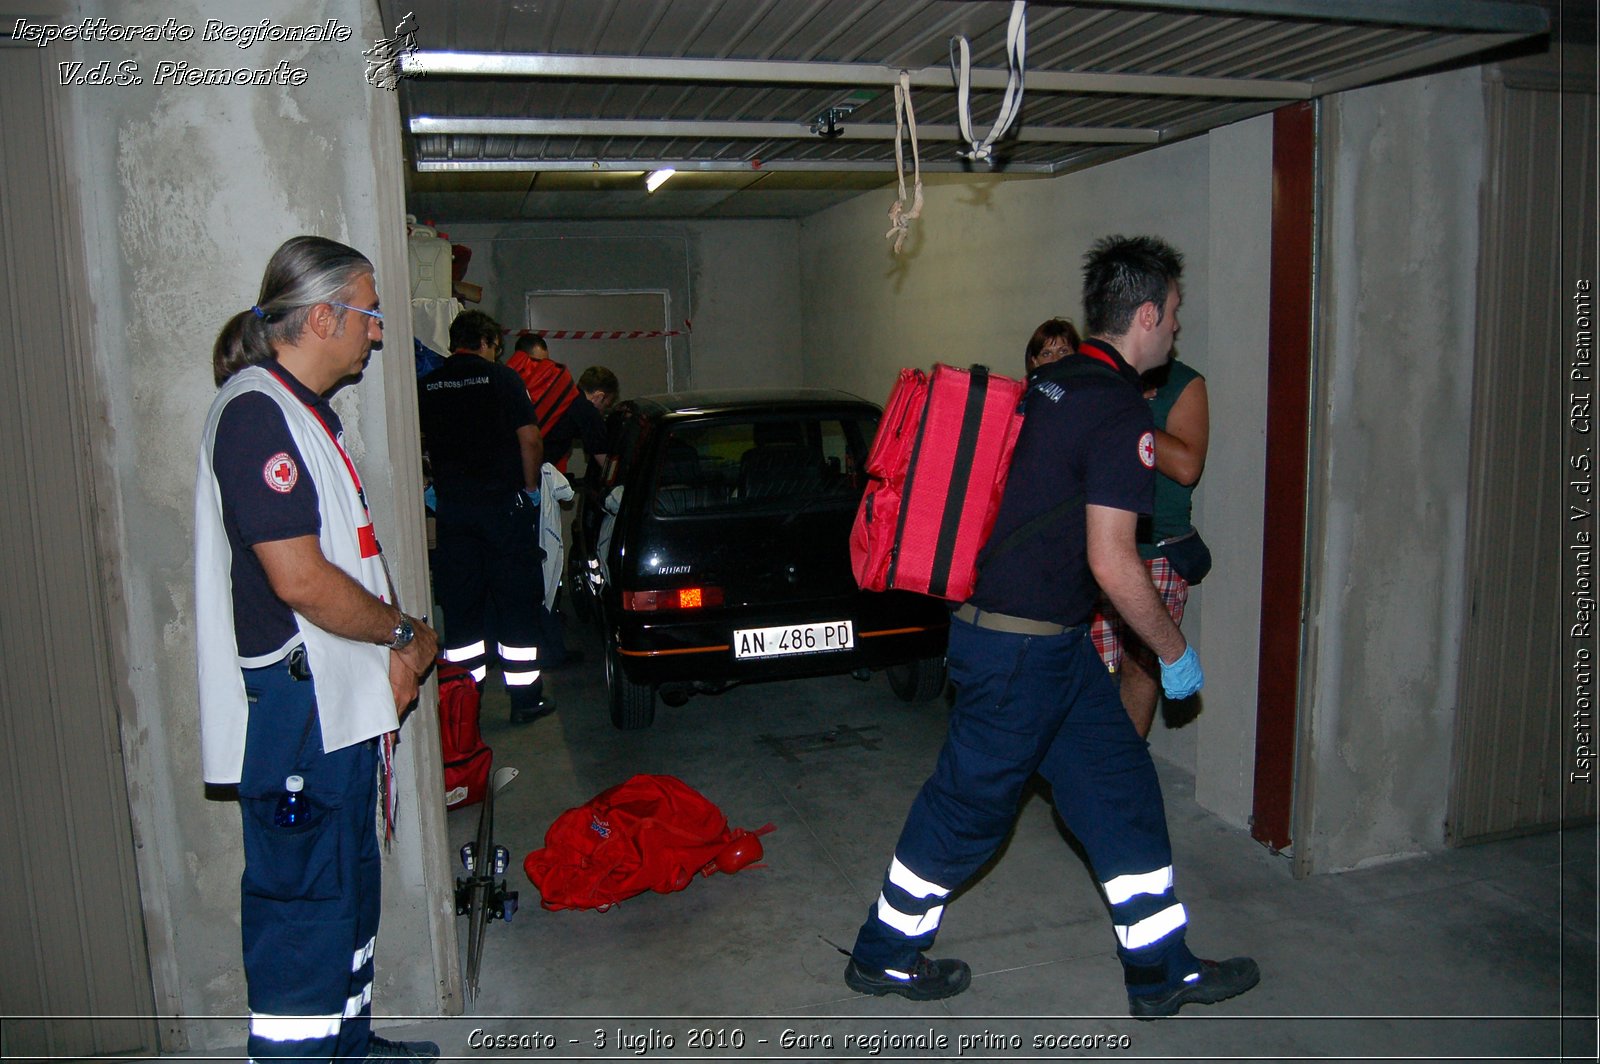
column 961, row 475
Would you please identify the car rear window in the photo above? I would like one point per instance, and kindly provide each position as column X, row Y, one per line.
column 755, row 463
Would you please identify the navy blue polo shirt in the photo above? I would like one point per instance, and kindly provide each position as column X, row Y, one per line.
column 1087, row 437
column 471, row 409
column 582, row 420
column 267, row 495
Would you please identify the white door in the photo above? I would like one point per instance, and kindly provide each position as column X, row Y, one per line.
column 627, row 332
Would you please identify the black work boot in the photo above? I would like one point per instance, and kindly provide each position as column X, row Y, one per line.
column 532, row 704
column 928, row 979
column 1216, row 981
column 384, row 1049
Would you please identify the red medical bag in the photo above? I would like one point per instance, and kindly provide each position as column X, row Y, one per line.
column 936, row 470
column 467, row 758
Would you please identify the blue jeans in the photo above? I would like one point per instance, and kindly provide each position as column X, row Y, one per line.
column 1027, row 704
column 309, row 901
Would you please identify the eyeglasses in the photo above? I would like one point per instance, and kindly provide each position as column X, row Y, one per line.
column 369, row 313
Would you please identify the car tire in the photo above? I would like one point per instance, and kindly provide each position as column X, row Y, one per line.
column 633, row 705
column 917, row 681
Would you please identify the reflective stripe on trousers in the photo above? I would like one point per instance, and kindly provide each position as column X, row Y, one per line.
column 1025, row 704
column 309, row 896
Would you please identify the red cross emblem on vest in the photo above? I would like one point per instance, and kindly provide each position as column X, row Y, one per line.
column 281, row 473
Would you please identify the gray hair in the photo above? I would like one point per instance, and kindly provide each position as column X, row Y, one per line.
column 304, row 271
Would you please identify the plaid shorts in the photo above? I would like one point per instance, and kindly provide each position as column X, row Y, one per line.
column 1109, row 630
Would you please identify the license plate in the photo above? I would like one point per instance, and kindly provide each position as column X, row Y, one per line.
column 818, row 638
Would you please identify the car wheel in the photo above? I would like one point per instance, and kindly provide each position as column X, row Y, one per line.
column 633, row 705
column 917, row 681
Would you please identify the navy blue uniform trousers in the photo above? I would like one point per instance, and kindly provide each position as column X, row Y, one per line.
column 490, row 586
column 310, row 893
column 1027, row 704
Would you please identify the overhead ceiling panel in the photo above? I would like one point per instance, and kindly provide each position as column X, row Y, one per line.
column 738, row 89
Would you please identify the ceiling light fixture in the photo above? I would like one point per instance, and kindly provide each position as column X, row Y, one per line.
column 657, row 178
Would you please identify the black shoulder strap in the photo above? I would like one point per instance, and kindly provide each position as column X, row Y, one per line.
column 1078, row 366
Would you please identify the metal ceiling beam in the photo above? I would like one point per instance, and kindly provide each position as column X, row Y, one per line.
column 708, row 130
column 773, row 72
column 1449, row 16
column 1443, row 52
column 717, row 166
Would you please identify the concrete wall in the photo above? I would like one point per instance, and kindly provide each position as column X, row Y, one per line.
column 989, row 259
column 737, row 282
column 186, row 191
column 1403, row 166
column 1229, row 507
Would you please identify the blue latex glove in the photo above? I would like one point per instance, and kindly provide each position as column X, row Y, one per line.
column 532, row 494
column 1183, row 677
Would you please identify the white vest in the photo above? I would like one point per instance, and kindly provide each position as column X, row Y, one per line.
column 351, row 679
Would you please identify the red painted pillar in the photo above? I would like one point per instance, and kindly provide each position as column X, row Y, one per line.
column 1288, row 420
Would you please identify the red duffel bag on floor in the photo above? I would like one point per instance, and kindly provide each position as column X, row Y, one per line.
column 647, row 833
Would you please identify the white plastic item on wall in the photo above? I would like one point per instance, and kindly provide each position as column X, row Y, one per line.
column 430, row 322
column 431, row 263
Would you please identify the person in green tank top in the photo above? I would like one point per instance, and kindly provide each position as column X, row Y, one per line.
column 1179, row 404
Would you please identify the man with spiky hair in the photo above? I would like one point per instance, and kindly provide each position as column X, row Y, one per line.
column 1032, row 695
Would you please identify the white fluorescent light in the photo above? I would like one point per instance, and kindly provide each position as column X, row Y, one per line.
column 657, row 178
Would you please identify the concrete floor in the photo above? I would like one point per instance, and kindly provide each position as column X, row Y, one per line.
column 1473, row 953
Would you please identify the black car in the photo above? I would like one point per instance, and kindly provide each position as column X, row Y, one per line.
column 716, row 551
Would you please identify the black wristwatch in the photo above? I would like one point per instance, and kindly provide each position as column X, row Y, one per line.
column 403, row 634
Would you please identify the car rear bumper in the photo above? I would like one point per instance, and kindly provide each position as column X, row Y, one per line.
column 669, row 648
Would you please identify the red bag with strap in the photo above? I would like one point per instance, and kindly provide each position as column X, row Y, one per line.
column 467, row 758
column 550, row 387
column 647, row 833
column 937, row 469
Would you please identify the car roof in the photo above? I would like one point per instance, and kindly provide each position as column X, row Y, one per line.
column 746, row 400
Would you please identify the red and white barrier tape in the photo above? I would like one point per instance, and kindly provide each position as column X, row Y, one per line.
column 605, row 334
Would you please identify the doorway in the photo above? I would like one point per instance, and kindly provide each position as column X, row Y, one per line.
column 628, row 332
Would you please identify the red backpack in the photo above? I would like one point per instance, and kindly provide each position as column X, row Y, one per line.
column 647, row 833
column 466, row 757
column 937, row 469
column 550, row 387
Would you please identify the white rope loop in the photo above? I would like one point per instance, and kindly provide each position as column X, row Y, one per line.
column 905, row 118
column 1010, row 104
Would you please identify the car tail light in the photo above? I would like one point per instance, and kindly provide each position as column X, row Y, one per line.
column 679, row 598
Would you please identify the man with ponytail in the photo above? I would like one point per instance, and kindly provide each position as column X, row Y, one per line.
column 307, row 661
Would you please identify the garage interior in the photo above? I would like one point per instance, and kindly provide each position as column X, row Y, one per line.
column 1385, row 207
